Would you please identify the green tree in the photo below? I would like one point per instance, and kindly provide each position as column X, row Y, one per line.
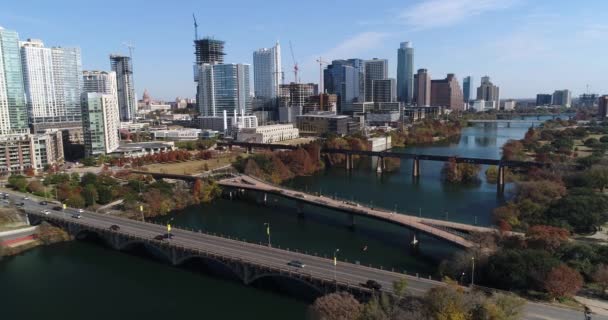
column 18, row 182
column 88, row 178
column 90, row 195
column 75, row 200
column 597, row 178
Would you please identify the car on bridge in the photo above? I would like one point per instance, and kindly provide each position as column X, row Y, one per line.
column 43, row 203
column 46, row 212
column 114, row 227
column 372, row 284
column 76, row 216
column 296, row 263
column 58, row 208
column 160, row 237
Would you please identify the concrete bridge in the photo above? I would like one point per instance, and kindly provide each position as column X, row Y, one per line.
column 452, row 232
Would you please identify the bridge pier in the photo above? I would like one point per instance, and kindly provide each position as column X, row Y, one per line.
column 500, row 180
column 348, row 156
column 416, row 168
column 508, row 124
column 249, row 150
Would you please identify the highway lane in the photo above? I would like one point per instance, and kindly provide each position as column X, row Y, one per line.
column 274, row 257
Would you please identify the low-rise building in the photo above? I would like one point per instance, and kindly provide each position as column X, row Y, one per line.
column 509, row 105
column 268, row 134
column 140, row 149
column 379, row 143
column 178, row 134
column 326, row 123
column 382, row 117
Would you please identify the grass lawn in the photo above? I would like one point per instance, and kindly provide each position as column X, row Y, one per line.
column 193, row 166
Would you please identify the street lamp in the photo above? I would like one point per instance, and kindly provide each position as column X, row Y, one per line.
column 267, row 224
column 169, row 227
column 141, row 210
column 335, row 264
column 472, row 271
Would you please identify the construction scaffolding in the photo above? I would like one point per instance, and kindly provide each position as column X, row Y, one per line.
column 209, row 50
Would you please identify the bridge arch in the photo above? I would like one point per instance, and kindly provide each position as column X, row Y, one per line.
column 288, row 281
column 150, row 249
column 211, row 265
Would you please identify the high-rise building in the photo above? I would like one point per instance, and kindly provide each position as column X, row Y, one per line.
column 267, row 72
column 488, row 91
column 562, row 98
column 127, row 101
column 375, row 69
column 100, row 121
column 100, row 82
column 209, row 51
column 223, row 87
column 467, row 89
column 346, row 79
column 602, row 108
column 385, row 90
column 52, row 80
column 587, row 100
column 447, row 93
column 13, row 110
column 422, row 88
column 405, row 72
column 543, row 99
column 297, row 94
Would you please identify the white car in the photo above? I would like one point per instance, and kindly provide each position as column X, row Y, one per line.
column 45, row 212
column 26, row 198
column 80, row 210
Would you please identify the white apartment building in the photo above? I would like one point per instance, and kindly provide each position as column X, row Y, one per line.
column 267, row 72
column 101, row 122
column 268, row 134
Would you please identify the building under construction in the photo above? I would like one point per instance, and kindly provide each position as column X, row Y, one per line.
column 209, row 50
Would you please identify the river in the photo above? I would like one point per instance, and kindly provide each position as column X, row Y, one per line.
column 78, row 279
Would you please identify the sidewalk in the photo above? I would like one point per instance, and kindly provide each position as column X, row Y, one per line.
column 599, row 307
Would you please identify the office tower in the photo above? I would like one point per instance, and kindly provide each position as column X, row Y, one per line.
column 562, row 98
column 467, row 89
column 385, row 90
column 346, row 79
column 123, row 67
column 13, row 110
column 375, row 69
column 53, row 83
column 101, row 122
column 447, row 93
column 209, row 51
column 544, row 99
column 488, row 91
column 422, row 85
column 405, row 72
column 267, row 72
column 223, row 87
column 602, row 108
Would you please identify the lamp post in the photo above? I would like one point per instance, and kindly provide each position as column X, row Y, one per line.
column 335, row 264
column 472, row 271
column 267, row 224
column 141, row 210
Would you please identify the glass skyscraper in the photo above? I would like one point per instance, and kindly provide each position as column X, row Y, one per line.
column 405, row 72
column 123, row 67
column 224, row 87
column 267, row 72
column 346, row 79
column 467, row 89
column 13, row 110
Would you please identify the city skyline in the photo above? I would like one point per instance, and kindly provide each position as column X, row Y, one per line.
column 456, row 36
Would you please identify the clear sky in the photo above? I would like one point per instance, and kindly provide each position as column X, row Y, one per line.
column 526, row 46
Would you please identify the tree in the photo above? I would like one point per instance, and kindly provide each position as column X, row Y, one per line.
column 499, row 307
column 583, row 213
column 196, row 189
column 75, row 200
column 445, row 303
column 35, row 187
column 90, row 195
column 88, row 178
column 600, row 276
column 546, row 237
column 597, row 178
column 18, row 182
column 508, row 213
column 563, row 281
column 336, row 306
column 519, row 269
column 513, row 150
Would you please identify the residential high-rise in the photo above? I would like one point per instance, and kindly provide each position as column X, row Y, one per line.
column 100, row 121
column 100, row 82
column 346, row 79
column 422, row 88
column 467, row 89
column 562, row 98
column 447, row 93
column 13, row 110
column 127, row 101
column 602, row 108
column 488, row 91
column 544, row 99
column 375, row 69
column 267, row 72
column 223, row 87
column 385, row 90
column 405, row 72
column 53, row 82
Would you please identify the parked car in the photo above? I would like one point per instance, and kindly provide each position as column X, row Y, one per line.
column 372, row 284
column 296, row 263
column 159, row 237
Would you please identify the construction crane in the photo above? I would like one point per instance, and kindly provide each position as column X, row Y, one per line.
column 195, row 27
column 321, row 91
column 295, row 64
column 131, row 47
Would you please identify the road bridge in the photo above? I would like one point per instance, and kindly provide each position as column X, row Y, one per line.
column 247, row 261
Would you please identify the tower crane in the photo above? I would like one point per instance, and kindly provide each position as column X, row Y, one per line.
column 321, row 90
column 295, row 64
column 195, row 27
column 130, row 46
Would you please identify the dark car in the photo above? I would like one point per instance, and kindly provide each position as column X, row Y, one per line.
column 114, row 227
column 76, row 216
column 159, row 237
column 371, row 284
column 58, row 208
column 43, row 203
column 20, row 204
column 296, row 263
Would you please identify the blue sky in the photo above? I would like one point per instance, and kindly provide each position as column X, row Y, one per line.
column 526, row 46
